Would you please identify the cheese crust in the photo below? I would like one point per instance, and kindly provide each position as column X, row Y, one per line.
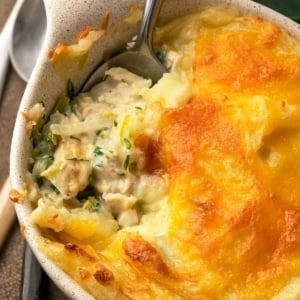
column 188, row 189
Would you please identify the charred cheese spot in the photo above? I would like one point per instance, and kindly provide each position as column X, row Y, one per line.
column 150, row 148
column 83, row 274
column 139, row 250
column 103, row 275
column 105, row 20
column 84, row 33
column 16, row 196
column 55, row 54
column 79, row 251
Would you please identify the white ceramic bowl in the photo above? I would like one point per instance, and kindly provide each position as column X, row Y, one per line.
column 65, row 19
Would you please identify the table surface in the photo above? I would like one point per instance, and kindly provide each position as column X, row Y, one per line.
column 11, row 253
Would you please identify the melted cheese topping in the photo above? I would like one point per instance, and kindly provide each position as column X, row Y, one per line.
column 199, row 174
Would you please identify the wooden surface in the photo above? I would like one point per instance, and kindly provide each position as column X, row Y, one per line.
column 7, row 212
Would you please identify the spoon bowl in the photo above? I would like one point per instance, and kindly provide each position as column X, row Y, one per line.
column 140, row 59
column 27, row 37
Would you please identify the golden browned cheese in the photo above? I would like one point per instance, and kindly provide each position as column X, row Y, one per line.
column 231, row 209
column 232, row 156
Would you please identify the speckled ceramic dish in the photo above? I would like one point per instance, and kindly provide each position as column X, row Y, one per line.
column 65, row 20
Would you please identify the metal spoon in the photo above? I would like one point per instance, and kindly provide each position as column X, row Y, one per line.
column 26, row 29
column 140, row 59
column 27, row 37
column 5, row 37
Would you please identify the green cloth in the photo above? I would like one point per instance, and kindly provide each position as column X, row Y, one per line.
column 289, row 8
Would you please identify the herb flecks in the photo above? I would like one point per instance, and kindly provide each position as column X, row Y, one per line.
column 127, row 143
column 70, row 89
column 41, row 164
column 92, row 204
column 54, row 189
column 126, row 162
column 161, row 55
column 74, row 138
column 98, row 151
column 101, row 130
column 77, row 159
column 62, row 104
column 70, row 109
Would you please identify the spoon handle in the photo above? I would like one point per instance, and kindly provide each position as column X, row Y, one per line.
column 151, row 13
column 5, row 38
column 32, row 276
column 7, row 212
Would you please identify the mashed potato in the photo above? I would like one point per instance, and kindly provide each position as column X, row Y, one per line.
column 188, row 189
